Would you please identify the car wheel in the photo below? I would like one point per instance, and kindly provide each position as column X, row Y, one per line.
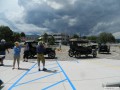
column 77, row 55
column 94, row 55
column 51, row 55
column 70, row 53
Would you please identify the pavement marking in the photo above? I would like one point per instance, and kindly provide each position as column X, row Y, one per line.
column 16, row 84
column 73, row 87
column 54, row 84
column 21, row 77
column 38, row 78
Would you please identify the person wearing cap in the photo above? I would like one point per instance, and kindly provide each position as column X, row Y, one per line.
column 17, row 50
column 3, row 48
column 40, row 49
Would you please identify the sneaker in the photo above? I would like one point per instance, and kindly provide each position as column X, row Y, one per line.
column 44, row 69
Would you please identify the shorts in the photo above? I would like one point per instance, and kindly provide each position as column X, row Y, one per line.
column 40, row 57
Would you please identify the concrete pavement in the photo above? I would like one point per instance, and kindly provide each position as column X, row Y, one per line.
column 64, row 73
column 61, row 75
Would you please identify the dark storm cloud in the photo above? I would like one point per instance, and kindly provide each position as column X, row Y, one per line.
column 73, row 16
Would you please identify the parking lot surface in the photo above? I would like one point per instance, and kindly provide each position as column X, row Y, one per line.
column 64, row 72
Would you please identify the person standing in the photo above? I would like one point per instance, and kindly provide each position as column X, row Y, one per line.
column 40, row 55
column 3, row 48
column 17, row 50
column 1, row 82
column 26, row 53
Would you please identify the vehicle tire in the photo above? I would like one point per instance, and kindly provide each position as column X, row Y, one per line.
column 70, row 53
column 77, row 55
column 31, row 55
column 94, row 55
column 51, row 55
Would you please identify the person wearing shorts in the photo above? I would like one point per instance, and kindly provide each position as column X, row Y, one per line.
column 40, row 55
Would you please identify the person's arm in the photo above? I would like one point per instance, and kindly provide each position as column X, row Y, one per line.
column 7, row 50
column 20, row 48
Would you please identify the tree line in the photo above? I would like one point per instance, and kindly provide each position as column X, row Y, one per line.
column 103, row 37
column 10, row 36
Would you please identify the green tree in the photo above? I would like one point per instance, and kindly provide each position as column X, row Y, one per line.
column 51, row 40
column 45, row 37
column 75, row 36
column 6, row 33
column 106, row 38
column 16, row 36
column 84, row 37
column 92, row 38
column 22, row 34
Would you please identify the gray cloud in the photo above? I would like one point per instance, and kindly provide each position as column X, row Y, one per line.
column 88, row 17
column 84, row 16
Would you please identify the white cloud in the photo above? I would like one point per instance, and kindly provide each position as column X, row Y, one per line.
column 72, row 22
column 55, row 5
column 30, row 28
column 116, row 35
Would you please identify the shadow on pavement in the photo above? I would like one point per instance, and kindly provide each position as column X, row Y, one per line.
column 105, row 53
column 50, row 58
column 7, row 65
column 23, row 69
column 88, row 57
column 1, row 87
column 51, row 71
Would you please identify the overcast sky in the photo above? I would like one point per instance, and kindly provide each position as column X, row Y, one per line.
column 85, row 17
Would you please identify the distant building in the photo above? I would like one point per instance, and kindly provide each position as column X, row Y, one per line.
column 59, row 37
column 31, row 37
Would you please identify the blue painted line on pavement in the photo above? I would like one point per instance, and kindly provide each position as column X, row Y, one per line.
column 37, row 79
column 54, row 84
column 21, row 78
column 73, row 87
column 39, row 72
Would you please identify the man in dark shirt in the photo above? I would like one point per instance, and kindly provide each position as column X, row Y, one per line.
column 40, row 55
column 3, row 49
